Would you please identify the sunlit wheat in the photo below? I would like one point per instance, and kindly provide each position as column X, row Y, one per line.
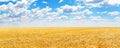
column 59, row 37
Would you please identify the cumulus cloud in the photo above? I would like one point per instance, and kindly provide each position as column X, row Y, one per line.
column 114, row 13
column 117, row 19
column 44, row 2
column 80, row 19
column 66, row 15
column 113, row 2
column 15, row 12
column 69, row 9
column 104, row 12
column 75, row 12
column 91, row 3
column 60, row 1
column 63, row 17
column 96, row 18
column 89, row 0
column 99, row 3
column 3, row 7
column 4, row 0
column 87, row 11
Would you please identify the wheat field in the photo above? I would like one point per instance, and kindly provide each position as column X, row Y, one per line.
column 102, row 37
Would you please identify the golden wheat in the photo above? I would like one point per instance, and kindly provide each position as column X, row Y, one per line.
column 59, row 37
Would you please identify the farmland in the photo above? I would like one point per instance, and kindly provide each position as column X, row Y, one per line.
column 53, row 37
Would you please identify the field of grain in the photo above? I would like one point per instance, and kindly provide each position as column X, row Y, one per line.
column 59, row 37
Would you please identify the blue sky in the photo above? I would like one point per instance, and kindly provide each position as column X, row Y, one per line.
column 59, row 13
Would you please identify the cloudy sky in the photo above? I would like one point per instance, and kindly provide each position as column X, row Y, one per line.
column 60, row 13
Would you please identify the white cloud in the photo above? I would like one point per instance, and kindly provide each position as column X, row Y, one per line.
column 69, row 9
column 113, row 2
column 79, row 18
column 46, row 9
column 114, row 13
column 59, row 10
column 89, row 0
column 52, row 14
column 24, row 3
column 63, row 17
column 4, row 16
column 49, row 19
column 73, row 15
column 96, row 18
column 87, row 11
column 45, row 2
column 25, row 19
column 104, row 12
column 60, row 1
column 14, row 0
column 13, row 12
column 4, row 0
column 82, row 13
column 3, row 7
column 90, row 3
column 74, row 12
column 117, row 19
column 99, row 3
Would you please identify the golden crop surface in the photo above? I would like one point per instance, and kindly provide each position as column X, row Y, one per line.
column 60, row 37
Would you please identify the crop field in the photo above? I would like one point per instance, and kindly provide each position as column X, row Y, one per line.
column 103, row 37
